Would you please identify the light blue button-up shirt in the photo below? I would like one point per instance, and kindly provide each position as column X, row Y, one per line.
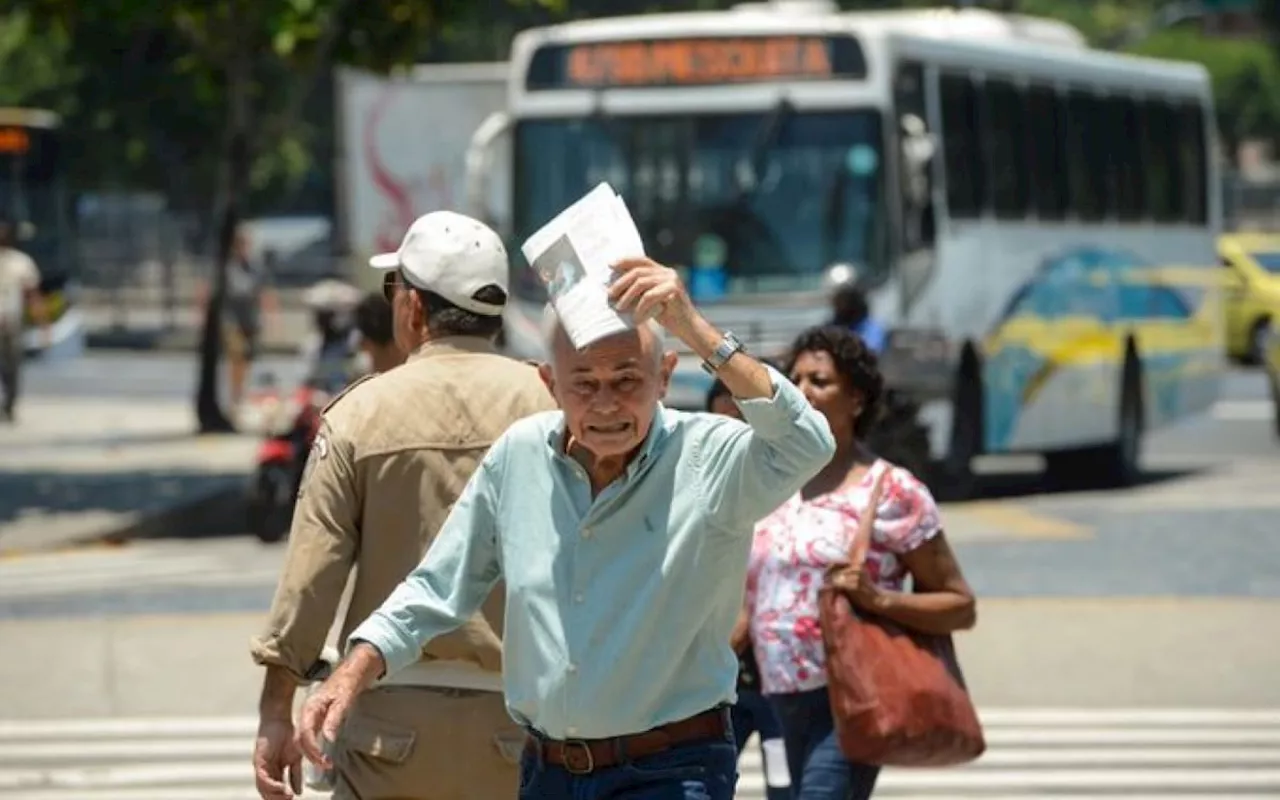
column 618, row 607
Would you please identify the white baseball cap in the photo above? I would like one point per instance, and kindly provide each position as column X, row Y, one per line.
column 452, row 255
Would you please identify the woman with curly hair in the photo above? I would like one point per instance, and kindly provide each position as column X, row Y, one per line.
column 796, row 545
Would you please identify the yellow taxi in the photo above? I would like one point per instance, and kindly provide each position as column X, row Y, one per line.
column 1251, row 264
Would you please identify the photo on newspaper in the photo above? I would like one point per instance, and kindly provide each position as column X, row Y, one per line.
column 560, row 268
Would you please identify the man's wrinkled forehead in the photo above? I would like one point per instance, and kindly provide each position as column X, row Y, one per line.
column 622, row 351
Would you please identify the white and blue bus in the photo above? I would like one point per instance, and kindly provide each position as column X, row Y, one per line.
column 1032, row 219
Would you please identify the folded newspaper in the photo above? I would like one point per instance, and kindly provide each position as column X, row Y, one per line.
column 574, row 255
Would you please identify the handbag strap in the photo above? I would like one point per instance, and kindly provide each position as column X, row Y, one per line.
column 867, row 520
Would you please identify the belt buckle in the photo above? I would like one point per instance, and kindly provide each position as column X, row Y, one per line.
column 574, row 746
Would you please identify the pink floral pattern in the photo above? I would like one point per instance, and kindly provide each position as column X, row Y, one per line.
column 793, row 548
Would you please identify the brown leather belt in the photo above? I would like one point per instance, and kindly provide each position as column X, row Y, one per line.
column 584, row 756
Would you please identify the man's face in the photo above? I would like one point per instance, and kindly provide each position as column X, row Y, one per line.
column 406, row 312
column 610, row 390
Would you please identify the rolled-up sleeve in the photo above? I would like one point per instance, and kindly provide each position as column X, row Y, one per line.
column 749, row 470
column 322, row 551
column 457, row 573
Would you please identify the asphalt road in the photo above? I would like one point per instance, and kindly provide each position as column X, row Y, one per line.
column 1203, row 525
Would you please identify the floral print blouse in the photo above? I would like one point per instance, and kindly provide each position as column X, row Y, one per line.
column 794, row 547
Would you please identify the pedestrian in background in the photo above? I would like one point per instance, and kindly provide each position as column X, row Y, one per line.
column 752, row 713
column 393, row 453
column 19, row 293
column 621, row 529
column 812, row 532
column 850, row 310
column 375, row 325
column 249, row 297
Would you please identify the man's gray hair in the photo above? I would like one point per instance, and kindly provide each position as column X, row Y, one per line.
column 551, row 327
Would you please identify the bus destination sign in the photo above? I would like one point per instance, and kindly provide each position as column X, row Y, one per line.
column 14, row 141
column 694, row 62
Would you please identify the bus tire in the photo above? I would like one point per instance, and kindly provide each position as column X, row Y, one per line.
column 953, row 478
column 1112, row 466
column 1258, row 336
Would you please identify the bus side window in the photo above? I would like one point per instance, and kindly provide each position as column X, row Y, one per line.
column 962, row 147
column 1048, row 153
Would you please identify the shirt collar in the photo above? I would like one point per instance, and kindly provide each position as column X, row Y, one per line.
column 658, row 432
column 452, row 345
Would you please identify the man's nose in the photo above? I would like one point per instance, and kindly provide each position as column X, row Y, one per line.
column 606, row 399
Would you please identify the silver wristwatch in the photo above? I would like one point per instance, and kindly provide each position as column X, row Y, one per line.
column 723, row 352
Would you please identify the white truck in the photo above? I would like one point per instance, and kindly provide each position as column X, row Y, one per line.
column 401, row 147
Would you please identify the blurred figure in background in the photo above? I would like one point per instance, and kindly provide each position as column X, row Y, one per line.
column 752, row 713
column 19, row 291
column 249, row 297
column 378, row 346
column 849, row 309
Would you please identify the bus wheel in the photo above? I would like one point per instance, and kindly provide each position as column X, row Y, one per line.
column 953, row 477
column 1114, row 465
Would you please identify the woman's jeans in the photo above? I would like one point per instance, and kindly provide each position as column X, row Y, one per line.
column 753, row 714
column 819, row 771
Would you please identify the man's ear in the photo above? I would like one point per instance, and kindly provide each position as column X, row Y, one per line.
column 669, row 361
column 548, row 376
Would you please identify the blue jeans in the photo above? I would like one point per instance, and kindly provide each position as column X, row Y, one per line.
column 706, row 770
column 819, row 771
column 753, row 714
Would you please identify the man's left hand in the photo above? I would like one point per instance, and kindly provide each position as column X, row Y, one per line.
column 648, row 290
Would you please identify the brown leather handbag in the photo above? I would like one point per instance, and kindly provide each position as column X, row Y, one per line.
column 897, row 696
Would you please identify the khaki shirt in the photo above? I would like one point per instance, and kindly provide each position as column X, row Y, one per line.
column 393, row 454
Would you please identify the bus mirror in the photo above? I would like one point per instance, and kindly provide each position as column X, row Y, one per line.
column 478, row 161
column 918, row 149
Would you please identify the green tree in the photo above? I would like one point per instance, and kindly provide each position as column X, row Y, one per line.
column 242, row 71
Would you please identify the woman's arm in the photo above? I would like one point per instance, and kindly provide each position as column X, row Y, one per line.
column 942, row 601
column 740, row 638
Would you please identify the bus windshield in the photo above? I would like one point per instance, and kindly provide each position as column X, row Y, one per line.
column 769, row 200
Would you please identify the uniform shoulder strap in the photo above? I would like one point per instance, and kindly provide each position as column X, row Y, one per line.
column 333, row 401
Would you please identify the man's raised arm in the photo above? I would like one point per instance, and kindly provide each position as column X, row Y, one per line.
column 746, row 472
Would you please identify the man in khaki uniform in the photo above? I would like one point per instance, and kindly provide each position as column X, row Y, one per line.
column 19, row 290
column 394, row 452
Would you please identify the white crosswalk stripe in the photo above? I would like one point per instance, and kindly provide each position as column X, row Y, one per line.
column 1043, row 754
column 140, row 566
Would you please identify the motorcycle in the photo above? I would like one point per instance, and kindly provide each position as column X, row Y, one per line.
column 290, row 421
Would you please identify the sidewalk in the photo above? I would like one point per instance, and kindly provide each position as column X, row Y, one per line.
column 152, row 327
column 77, row 470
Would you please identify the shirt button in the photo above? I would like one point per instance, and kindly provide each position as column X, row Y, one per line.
column 571, row 731
column 586, row 533
column 577, row 598
column 573, row 668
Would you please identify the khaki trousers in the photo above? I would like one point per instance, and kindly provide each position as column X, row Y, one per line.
column 409, row 743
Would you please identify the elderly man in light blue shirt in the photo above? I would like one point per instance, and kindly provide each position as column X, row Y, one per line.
column 621, row 530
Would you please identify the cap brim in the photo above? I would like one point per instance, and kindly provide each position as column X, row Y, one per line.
column 385, row 261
